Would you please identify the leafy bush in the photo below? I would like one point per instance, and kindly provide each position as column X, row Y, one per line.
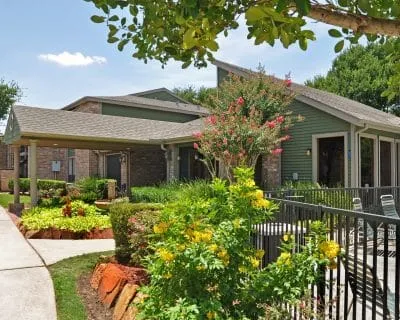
column 24, row 184
column 120, row 215
column 42, row 184
column 92, row 189
column 204, row 266
column 40, row 218
column 313, row 193
column 171, row 191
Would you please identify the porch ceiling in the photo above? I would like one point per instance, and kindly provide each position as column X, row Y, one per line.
column 78, row 130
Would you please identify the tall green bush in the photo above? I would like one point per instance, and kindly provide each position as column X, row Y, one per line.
column 120, row 215
column 92, row 189
column 42, row 184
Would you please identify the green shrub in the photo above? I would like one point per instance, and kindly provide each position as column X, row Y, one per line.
column 92, row 189
column 40, row 218
column 42, row 184
column 171, row 191
column 24, row 184
column 120, row 214
column 205, row 267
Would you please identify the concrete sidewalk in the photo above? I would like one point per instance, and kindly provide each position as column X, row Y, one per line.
column 53, row 251
column 26, row 289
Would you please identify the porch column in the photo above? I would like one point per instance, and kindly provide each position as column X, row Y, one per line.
column 33, row 176
column 16, row 150
column 172, row 155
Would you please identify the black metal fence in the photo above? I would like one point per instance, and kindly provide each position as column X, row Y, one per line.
column 340, row 197
column 366, row 282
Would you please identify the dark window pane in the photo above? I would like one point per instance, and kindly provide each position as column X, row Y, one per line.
column 367, row 162
column 385, row 153
column 331, row 157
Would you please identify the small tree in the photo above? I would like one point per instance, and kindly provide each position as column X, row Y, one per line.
column 249, row 118
column 9, row 94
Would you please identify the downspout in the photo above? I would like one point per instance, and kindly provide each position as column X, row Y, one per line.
column 356, row 152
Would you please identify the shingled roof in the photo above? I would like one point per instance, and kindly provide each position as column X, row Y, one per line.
column 39, row 123
column 341, row 107
column 142, row 102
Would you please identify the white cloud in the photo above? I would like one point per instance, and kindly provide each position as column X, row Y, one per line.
column 77, row 59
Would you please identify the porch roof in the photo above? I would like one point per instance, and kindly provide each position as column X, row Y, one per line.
column 52, row 127
column 349, row 110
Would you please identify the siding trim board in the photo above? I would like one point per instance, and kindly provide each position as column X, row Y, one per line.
column 315, row 154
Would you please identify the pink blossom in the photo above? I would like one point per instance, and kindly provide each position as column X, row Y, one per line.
column 271, row 124
column 195, row 146
column 198, row 135
column 280, row 119
column 211, row 119
column 225, row 141
column 288, row 82
column 286, row 138
column 240, row 101
column 277, row 151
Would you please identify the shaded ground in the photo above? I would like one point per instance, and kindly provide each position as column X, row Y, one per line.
column 95, row 310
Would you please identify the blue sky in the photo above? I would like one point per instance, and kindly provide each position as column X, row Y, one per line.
column 35, row 34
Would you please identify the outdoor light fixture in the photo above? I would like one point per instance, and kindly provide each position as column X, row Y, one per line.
column 308, row 152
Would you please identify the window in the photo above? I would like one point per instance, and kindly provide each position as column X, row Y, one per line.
column 367, row 159
column 71, row 169
column 386, row 162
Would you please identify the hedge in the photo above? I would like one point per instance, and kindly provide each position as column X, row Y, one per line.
column 43, row 184
column 120, row 213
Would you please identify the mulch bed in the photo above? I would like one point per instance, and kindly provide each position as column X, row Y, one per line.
column 95, row 310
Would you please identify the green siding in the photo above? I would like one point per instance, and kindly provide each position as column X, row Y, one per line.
column 142, row 113
column 294, row 158
column 221, row 75
column 161, row 95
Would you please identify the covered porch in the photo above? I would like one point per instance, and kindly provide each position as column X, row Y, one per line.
column 141, row 147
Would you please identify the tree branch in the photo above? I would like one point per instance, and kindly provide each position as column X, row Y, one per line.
column 357, row 23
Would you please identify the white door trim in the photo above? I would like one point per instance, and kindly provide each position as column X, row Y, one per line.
column 315, row 153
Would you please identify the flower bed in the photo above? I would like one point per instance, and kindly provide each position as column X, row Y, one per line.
column 76, row 220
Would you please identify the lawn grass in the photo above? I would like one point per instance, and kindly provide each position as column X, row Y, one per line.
column 65, row 275
column 6, row 198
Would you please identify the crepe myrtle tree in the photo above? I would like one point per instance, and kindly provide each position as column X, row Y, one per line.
column 249, row 117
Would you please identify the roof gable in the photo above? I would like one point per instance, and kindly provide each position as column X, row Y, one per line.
column 349, row 110
column 161, row 94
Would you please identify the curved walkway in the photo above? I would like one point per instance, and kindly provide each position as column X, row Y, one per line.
column 26, row 288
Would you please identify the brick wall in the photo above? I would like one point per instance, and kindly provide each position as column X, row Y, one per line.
column 148, row 165
column 45, row 156
column 3, row 155
column 5, row 176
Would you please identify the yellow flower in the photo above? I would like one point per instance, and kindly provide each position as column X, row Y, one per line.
column 284, row 259
column 286, row 237
column 254, row 262
column 201, row 268
column 204, row 236
column 181, row 247
column 160, row 228
column 213, row 247
column 259, row 194
column 167, row 275
column 224, row 256
column 330, row 249
column 260, row 254
column 249, row 183
column 236, row 223
column 165, row 255
column 261, row 203
column 210, row 315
